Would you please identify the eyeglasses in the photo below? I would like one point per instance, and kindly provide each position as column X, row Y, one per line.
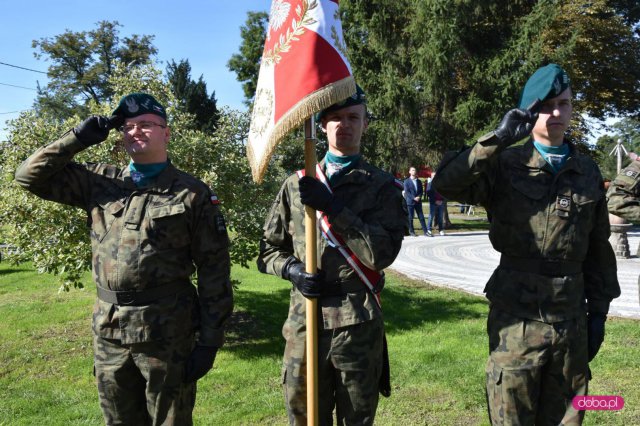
column 145, row 126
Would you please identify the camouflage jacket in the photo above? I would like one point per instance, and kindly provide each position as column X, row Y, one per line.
column 143, row 238
column 538, row 218
column 373, row 224
column 624, row 193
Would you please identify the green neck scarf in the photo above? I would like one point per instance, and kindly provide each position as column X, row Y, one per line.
column 555, row 156
column 144, row 174
column 339, row 165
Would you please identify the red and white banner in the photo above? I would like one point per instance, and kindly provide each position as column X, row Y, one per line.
column 303, row 70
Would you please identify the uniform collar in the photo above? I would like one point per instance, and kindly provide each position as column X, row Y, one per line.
column 161, row 184
column 530, row 157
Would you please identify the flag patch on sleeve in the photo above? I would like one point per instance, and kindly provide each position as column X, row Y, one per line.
column 215, row 200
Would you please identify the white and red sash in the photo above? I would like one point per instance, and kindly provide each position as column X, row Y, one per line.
column 368, row 276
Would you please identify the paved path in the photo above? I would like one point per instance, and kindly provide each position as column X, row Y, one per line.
column 466, row 260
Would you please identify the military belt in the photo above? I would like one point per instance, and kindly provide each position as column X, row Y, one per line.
column 551, row 267
column 140, row 297
column 337, row 288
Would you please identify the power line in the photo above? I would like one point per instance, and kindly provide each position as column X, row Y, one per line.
column 10, row 112
column 22, row 68
column 19, row 87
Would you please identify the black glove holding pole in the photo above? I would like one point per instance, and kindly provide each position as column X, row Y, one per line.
column 517, row 124
column 95, row 129
column 316, row 195
column 200, row 362
column 595, row 332
column 310, row 285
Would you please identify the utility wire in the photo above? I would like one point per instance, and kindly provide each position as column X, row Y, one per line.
column 19, row 87
column 11, row 112
column 22, row 68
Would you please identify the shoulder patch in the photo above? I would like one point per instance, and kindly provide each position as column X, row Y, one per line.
column 398, row 183
column 214, row 199
column 631, row 173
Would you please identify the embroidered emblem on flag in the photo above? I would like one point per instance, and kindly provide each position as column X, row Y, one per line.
column 303, row 70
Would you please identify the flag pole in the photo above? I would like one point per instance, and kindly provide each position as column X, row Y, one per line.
column 311, row 267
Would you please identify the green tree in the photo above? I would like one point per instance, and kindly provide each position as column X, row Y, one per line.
column 192, row 95
column 438, row 73
column 246, row 63
column 81, row 64
column 55, row 237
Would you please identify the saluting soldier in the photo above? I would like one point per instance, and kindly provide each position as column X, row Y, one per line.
column 624, row 193
column 152, row 226
column 550, row 295
column 363, row 207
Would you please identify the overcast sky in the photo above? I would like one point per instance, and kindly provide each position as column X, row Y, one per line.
column 206, row 32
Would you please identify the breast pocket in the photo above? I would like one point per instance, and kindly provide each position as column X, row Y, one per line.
column 585, row 203
column 102, row 218
column 168, row 226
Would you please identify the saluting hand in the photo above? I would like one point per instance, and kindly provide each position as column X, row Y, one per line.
column 515, row 125
column 95, row 129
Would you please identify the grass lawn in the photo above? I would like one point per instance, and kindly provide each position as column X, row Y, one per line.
column 437, row 345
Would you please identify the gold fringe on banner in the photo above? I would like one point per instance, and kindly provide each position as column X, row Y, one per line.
column 312, row 103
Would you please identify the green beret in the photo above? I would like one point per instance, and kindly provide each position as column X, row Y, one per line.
column 135, row 104
column 358, row 98
column 546, row 83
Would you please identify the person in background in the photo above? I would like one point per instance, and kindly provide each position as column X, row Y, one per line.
column 623, row 196
column 550, row 295
column 152, row 227
column 413, row 192
column 437, row 204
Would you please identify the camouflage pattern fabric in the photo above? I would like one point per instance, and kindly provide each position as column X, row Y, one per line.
column 535, row 369
column 349, row 367
column 624, row 193
column 373, row 224
column 142, row 383
column 538, row 217
column 143, row 238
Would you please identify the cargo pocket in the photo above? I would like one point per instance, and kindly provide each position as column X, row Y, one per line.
column 512, row 393
column 168, row 226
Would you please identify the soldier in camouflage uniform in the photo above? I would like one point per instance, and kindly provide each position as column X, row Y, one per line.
column 152, row 226
column 624, row 192
column 623, row 196
column 367, row 210
column 550, row 295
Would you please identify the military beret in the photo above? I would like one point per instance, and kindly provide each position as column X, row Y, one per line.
column 135, row 104
column 358, row 98
column 546, row 83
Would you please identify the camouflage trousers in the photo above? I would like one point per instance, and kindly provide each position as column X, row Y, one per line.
column 142, row 383
column 535, row 369
column 349, row 368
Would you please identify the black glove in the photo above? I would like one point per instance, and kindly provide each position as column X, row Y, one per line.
column 116, row 121
column 315, row 194
column 200, row 362
column 310, row 285
column 93, row 130
column 515, row 125
column 595, row 333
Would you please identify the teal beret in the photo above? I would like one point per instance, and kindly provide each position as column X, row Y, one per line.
column 546, row 83
column 135, row 104
column 358, row 98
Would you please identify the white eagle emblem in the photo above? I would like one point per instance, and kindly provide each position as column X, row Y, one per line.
column 278, row 15
column 132, row 105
